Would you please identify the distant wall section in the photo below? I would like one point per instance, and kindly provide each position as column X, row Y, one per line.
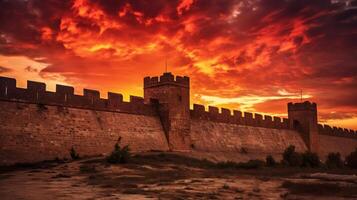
column 237, row 137
column 334, row 139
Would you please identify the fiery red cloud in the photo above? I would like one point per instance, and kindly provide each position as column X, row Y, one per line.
column 254, row 55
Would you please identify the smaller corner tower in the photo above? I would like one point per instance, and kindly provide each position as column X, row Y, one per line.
column 303, row 117
column 173, row 96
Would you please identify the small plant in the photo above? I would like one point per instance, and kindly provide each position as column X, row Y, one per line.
column 270, row 161
column 225, row 186
column 119, row 155
column 193, row 146
column 292, row 158
column 334, row 160
column 74, row 154
column 310, row 159
column 351, row 160
column 243, row 150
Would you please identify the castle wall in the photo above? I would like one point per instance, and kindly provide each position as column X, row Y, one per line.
column 334, row 139
column 32, row 132
column 37, row 125
column 239, row 142
column 237, row 137
column 343, row 145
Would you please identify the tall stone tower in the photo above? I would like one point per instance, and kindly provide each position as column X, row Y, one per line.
column 173, row 96
column 303, row 117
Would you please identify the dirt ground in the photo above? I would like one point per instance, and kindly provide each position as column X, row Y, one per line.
column 171, row 176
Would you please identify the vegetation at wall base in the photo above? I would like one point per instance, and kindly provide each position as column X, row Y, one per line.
column 295, row 159
column 310, row 159
column 74, row 154
column 270, row 161
column 334, row 161
column 119, row 155
column 292, row 158
column 351, row 159
column 251, row 164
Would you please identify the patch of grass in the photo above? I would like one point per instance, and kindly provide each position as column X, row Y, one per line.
column 251, row 164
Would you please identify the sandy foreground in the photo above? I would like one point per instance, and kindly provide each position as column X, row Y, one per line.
column 170, row 176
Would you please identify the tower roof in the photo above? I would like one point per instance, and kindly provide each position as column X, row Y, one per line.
column 307, row 105
column 166, row 79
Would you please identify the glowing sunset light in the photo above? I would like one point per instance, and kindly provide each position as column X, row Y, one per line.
column 245, row 55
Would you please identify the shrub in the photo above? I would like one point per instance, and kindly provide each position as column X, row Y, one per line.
column 292, row 158
column 119, row 155
column 270, row 161
column 251, row 164
column 74, row 154
column 334, row 160
column 351, row 160
column 243, row 150
column 310, row 159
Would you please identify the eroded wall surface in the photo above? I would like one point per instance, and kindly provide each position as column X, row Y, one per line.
column 238, row 142
column 36, row 132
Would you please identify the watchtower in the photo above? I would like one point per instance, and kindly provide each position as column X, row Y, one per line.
column 303, row 117
column 173, row 96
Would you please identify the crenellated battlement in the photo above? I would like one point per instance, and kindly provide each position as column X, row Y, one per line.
column 336, row 131
column 37, row 125
column 64, row 96
column 302, row 106
column 237, row 117
column 166, row 79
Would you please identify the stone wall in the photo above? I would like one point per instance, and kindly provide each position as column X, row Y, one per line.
column 238, row 142
column 36, row 132
column 343, row 145
column 36, row 124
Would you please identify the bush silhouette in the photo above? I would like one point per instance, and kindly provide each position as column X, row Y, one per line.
column 351, row 160
column 310, row 159
column 292, row 158
column 250, row 164
column 334, row 160
column 74, row 154
column 119, row 155
column 270, row 161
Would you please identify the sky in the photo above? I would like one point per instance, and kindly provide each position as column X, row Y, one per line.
column 249, row 55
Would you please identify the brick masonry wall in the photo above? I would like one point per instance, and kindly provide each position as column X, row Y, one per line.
column 35, row 132
column 239, row 142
